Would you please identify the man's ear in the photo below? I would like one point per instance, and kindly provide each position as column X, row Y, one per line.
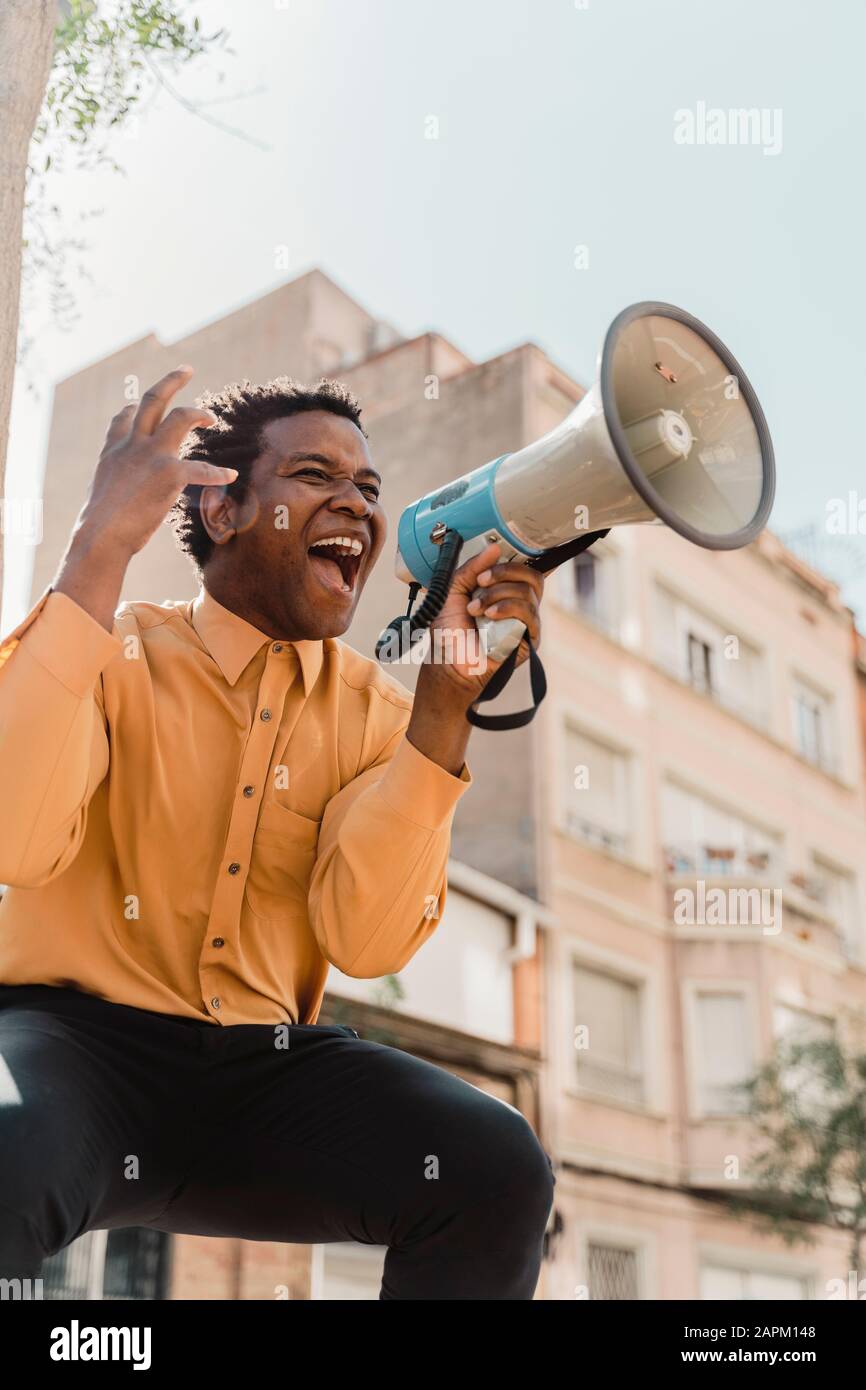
column 223, row 516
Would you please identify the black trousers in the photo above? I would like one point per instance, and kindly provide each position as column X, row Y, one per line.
column 115, row 1116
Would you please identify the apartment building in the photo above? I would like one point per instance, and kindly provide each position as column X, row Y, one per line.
column 702, row 733
column 704, row 728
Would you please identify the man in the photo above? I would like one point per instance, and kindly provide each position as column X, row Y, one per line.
column 204, row 804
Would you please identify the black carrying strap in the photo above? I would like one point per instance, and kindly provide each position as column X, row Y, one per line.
column 550, row 560
column 498, row 682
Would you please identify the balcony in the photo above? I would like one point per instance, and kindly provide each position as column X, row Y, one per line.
column 812, row 918
column 758, row 866
column 595, row 835
column 600, row 1080
column 807, row 910
column 730, row 886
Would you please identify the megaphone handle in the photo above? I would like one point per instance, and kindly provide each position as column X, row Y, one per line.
column 498, row 637
column 501, row 637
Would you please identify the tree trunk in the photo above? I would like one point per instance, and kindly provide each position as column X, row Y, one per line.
column 26, row 51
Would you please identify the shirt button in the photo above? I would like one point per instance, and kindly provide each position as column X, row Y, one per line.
column 215, row 1003
column 277, row 647
column 234, row 868
column 265, row 714
column 218, row 941
column 249, row 791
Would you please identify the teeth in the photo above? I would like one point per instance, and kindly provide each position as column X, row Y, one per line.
column 347, row 544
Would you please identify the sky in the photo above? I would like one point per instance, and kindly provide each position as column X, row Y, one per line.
column 564, row 182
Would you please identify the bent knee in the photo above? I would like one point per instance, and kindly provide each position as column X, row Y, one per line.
column 511, row 1157
column 532, row 1170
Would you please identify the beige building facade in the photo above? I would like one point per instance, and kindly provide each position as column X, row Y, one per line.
column 703, row 730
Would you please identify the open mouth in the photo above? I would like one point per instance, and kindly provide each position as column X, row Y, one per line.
column 336, row 561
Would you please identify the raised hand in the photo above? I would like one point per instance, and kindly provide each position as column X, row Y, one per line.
column 138, row 479
column 139, row 475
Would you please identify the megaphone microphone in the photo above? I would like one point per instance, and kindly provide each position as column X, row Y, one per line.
column 671, row 432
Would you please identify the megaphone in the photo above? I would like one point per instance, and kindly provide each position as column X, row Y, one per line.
column 671, row 432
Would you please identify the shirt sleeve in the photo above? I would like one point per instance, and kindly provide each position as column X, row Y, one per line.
column 379, row 884
column 53, row 738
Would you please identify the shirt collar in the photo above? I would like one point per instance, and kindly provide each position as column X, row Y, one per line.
column 233, row 642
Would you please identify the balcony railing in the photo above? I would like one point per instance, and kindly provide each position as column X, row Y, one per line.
column 722, row 861
column 808, row 922
column 817, row 889
column 595, row 835
column 616, row 1082
column 810, row 905
column 806, row 898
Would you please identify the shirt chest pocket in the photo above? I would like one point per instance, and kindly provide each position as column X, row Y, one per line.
column 284, row 852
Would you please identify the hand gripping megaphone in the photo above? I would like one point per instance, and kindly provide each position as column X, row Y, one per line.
column 671, row 432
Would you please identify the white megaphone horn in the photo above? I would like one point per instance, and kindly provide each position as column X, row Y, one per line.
column 671, row 432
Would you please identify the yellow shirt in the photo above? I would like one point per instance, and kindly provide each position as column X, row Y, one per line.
column 196, row 819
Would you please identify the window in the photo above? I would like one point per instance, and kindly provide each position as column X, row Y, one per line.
column 794, row 1025
column 722, row 1036
column 609, row 1051
column 588, row 586
column 700, row 663
column 837, row 893
column 347, row 1272
column 596, row 799
column 723, row 1282
column 712, row 659
column 613, row 1272
column 812, row 726
column 463, row 977
column 124, row 1264
column 704, row 840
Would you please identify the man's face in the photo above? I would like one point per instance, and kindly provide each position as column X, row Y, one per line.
column 312, row 481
